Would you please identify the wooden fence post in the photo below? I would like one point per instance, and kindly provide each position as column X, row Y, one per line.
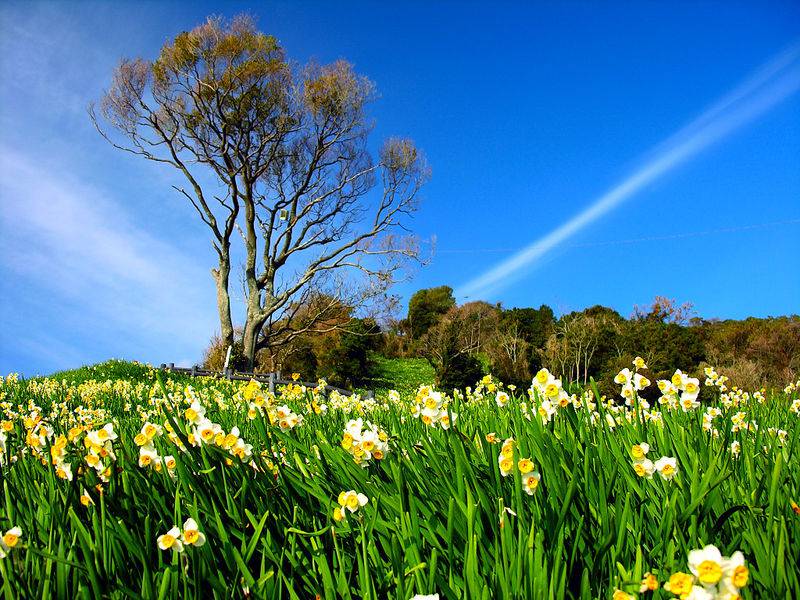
column 272, row 383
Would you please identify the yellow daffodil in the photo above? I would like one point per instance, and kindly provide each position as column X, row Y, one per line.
column 649, row 583
column 638, row 451
column 679, row 583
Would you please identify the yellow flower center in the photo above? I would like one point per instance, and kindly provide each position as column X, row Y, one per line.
column 709, row 572
column 167, row 541
column 191, row 536
column 740, row 576
column 679, row 583
column 10, row 539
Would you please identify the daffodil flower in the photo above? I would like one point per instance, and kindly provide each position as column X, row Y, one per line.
column 530, row 481
column 706, row 564
column 10, row 540
column 734, row 571
column 171, row 540
column 667, row 467
column 192, row 535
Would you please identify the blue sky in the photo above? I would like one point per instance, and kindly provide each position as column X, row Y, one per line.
column 527, row 114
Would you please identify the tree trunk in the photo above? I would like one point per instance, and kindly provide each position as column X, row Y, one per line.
column 249, row 343
column 252, row 329
column 221, row 277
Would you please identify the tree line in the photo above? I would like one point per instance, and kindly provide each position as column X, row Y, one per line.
column 464, row 342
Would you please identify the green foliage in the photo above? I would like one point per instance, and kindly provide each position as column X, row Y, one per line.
column 347, row 359
column 111, row 369
column 435, row 521
column 427, row 307
column 459, row 371
column 402, row 374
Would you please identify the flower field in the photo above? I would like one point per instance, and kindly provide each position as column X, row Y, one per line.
column 119, row 482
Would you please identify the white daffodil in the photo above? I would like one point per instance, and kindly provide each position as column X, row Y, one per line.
column 192, row 535
column 171, row 540
column 530, row 481
column 644, row 467
column 147, row 455
column 667, row 467
column 195, row 412
column 352, row 500
column 9, row 540
column 699, row 593
column 735, row 573
column 640, row 382
column 623, row 377
column 706, row 565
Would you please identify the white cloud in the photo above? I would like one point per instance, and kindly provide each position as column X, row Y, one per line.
column 75, row 245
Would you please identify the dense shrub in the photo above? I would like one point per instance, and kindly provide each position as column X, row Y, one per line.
column 459, row 372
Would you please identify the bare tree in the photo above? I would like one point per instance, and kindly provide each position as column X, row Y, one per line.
column 464, row 330
column 276, row 153
column 574, row 344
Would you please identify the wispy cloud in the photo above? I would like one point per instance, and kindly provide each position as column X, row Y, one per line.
column 764, row 89
column 74, row 246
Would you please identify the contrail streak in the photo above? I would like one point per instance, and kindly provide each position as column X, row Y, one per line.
column 769, row 85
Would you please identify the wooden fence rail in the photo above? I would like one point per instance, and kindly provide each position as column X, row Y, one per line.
column 272, row 379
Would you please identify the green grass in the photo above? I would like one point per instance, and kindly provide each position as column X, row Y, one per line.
column 111, row 369
column 402, row 374
column 432, row 523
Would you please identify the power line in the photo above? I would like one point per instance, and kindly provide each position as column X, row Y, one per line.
column 658, row 238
